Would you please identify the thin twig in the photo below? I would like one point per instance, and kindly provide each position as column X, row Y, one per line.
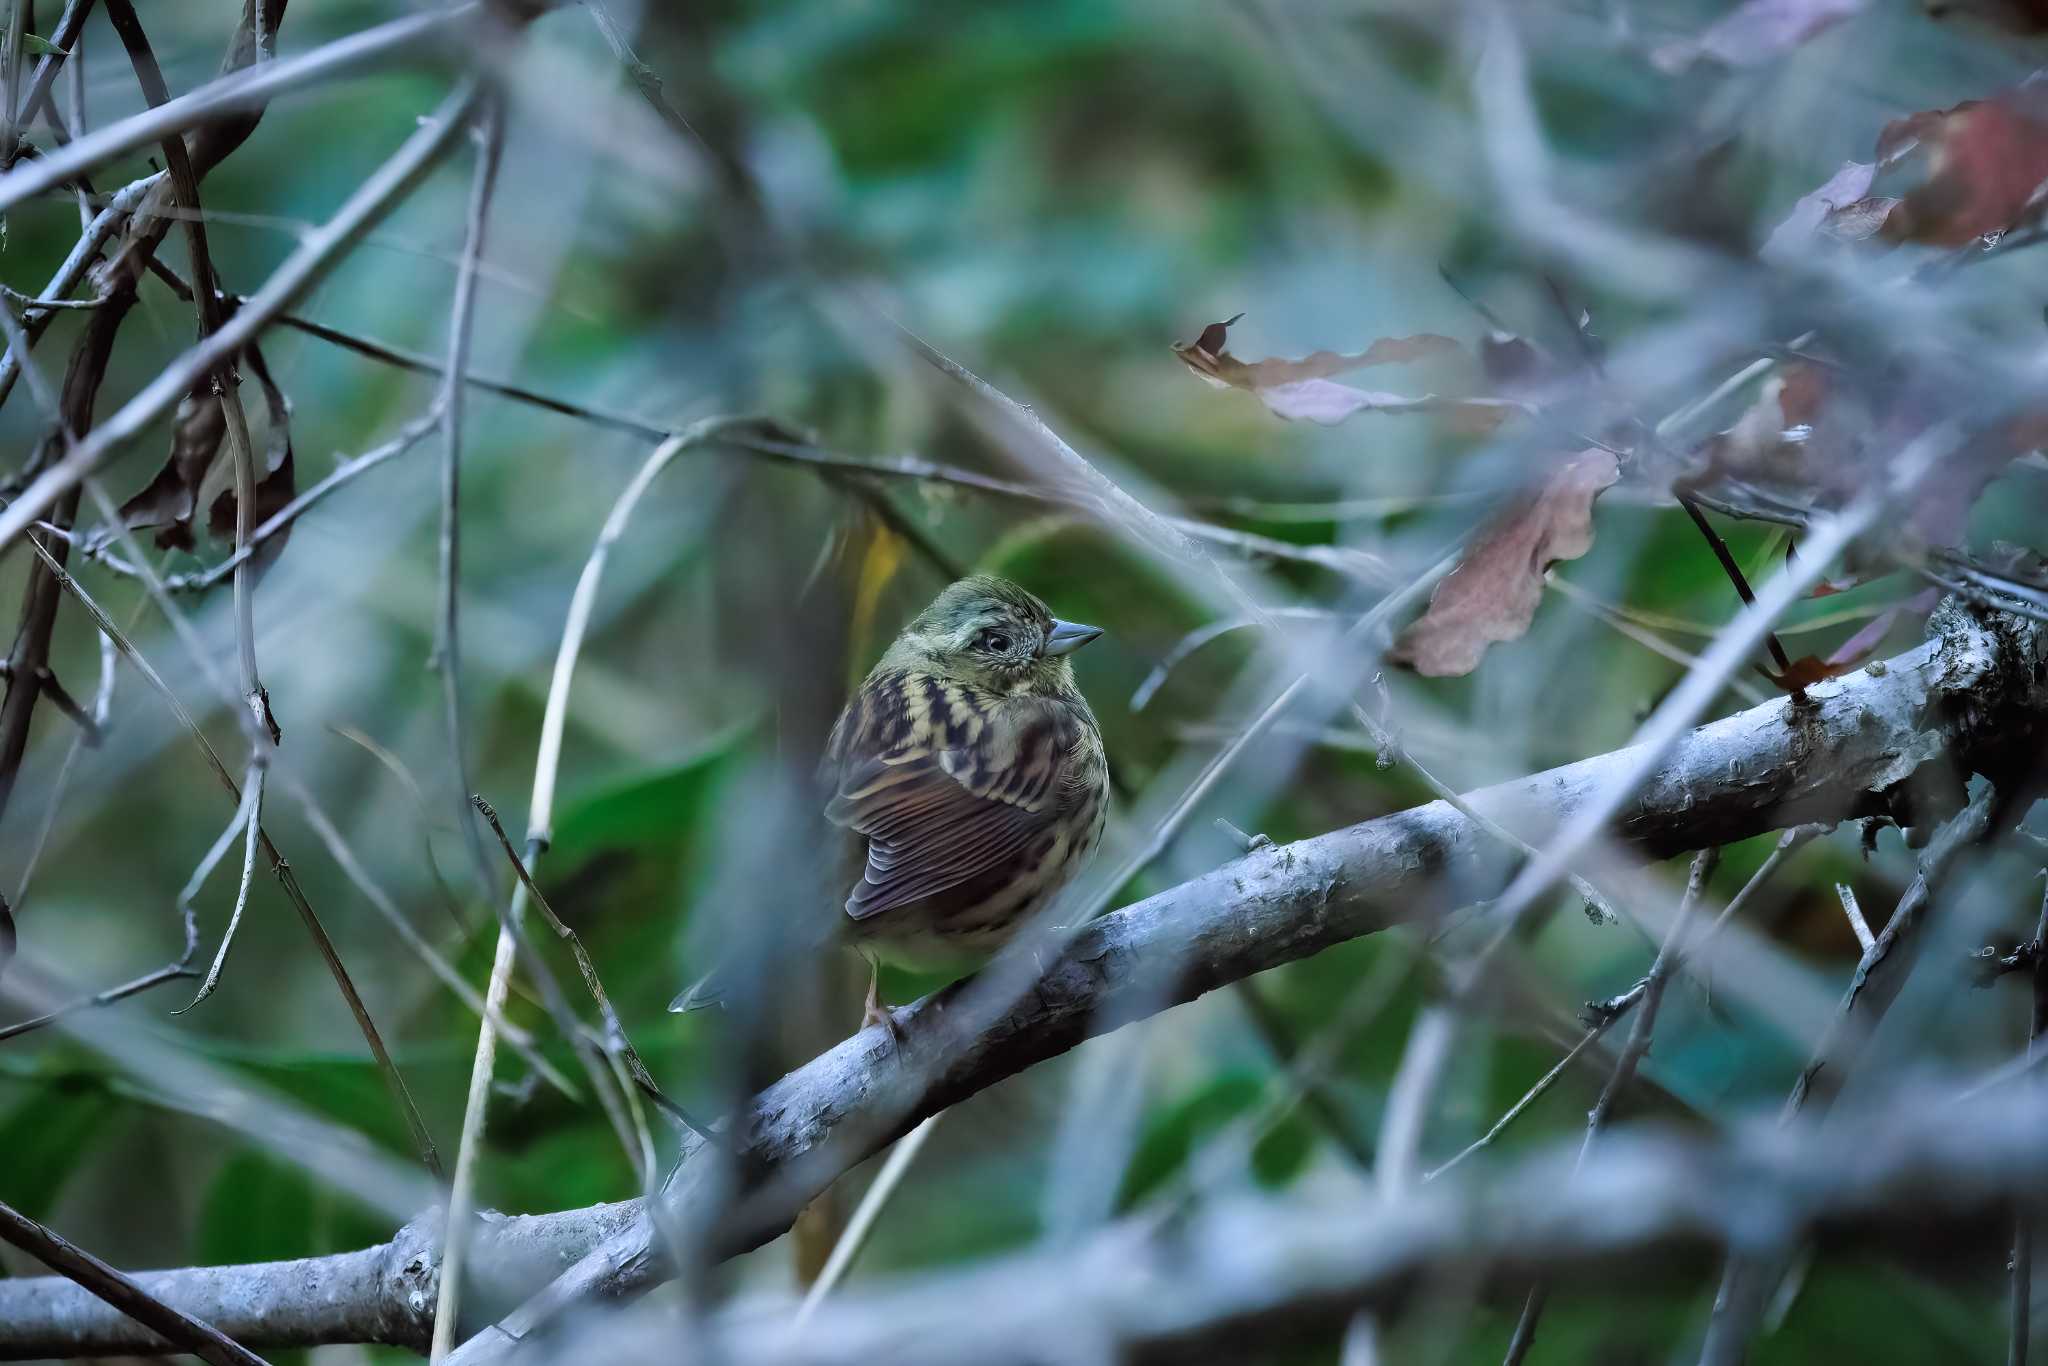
column 616, row 1039
column 223, row 379
column 1742, row 589
column 401, row 1096
column 248, row 88
column 1880, row 974
column 1391, row 751
column 250, row 815
column 1865, row 940
column 170, row 972
column 300, row 271
column 352, row 868
column 188, row 913
column 1535, row 1092
column 408, row 436
column 102, row 712
column 1600, row 1016
column 447, row 655
column 872, row 1201
column 554, row 720
column 29, row 302
column 1669, row 954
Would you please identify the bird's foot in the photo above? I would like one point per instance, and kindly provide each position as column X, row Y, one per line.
column 879, row 1014
column 1251, row 844
column 875, row 1011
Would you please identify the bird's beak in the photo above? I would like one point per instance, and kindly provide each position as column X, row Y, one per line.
column 1069, row 636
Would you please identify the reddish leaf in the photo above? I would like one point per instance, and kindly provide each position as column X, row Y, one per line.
column 1755, row 32
column 1804, row 672
column 1301, row 389
column 1493, row 593
column 1985, row 161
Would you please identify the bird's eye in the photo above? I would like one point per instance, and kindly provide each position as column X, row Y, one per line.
column 995, row 642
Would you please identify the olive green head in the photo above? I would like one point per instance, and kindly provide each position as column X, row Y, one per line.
column 989, row 633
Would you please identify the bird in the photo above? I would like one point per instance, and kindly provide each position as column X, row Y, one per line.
column 971, row 774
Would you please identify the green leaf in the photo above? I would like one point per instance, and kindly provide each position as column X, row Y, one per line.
column 651, row 811
column 259, row 1209
column 41, row 47
column 47, row 1137
column 1174, row 1134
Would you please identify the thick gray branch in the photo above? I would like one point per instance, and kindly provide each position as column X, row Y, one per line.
column 1974, row 696
column 381, row 1294
column 1920, row 1173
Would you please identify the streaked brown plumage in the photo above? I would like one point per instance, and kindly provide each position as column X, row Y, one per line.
column 971, row 775
column 973, row 771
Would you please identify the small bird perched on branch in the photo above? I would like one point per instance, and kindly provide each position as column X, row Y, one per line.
column 973, row 773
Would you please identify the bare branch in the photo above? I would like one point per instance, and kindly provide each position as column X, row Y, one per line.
column 1668, row 955
column 1865, row 940
column 1928, row 1167
column 249, row 88
column 447, row 657
column 313, row 258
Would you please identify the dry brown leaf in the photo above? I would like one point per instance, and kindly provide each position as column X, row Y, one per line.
column 1985, row 163
column 1300, row 390
column 166, row 504
column 1493, row 593
column 199, row 474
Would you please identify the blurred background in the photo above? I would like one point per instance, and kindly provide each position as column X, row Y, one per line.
column 1051, row 193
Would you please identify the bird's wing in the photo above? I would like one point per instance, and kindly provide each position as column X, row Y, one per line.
column 949, row 801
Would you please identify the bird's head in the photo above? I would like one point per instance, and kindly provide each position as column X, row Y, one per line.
column 990, row 634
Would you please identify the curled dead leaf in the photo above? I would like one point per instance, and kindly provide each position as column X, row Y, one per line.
column 199, row 473
column 166, row 503
column 1300, row 389
column 1493, row 593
